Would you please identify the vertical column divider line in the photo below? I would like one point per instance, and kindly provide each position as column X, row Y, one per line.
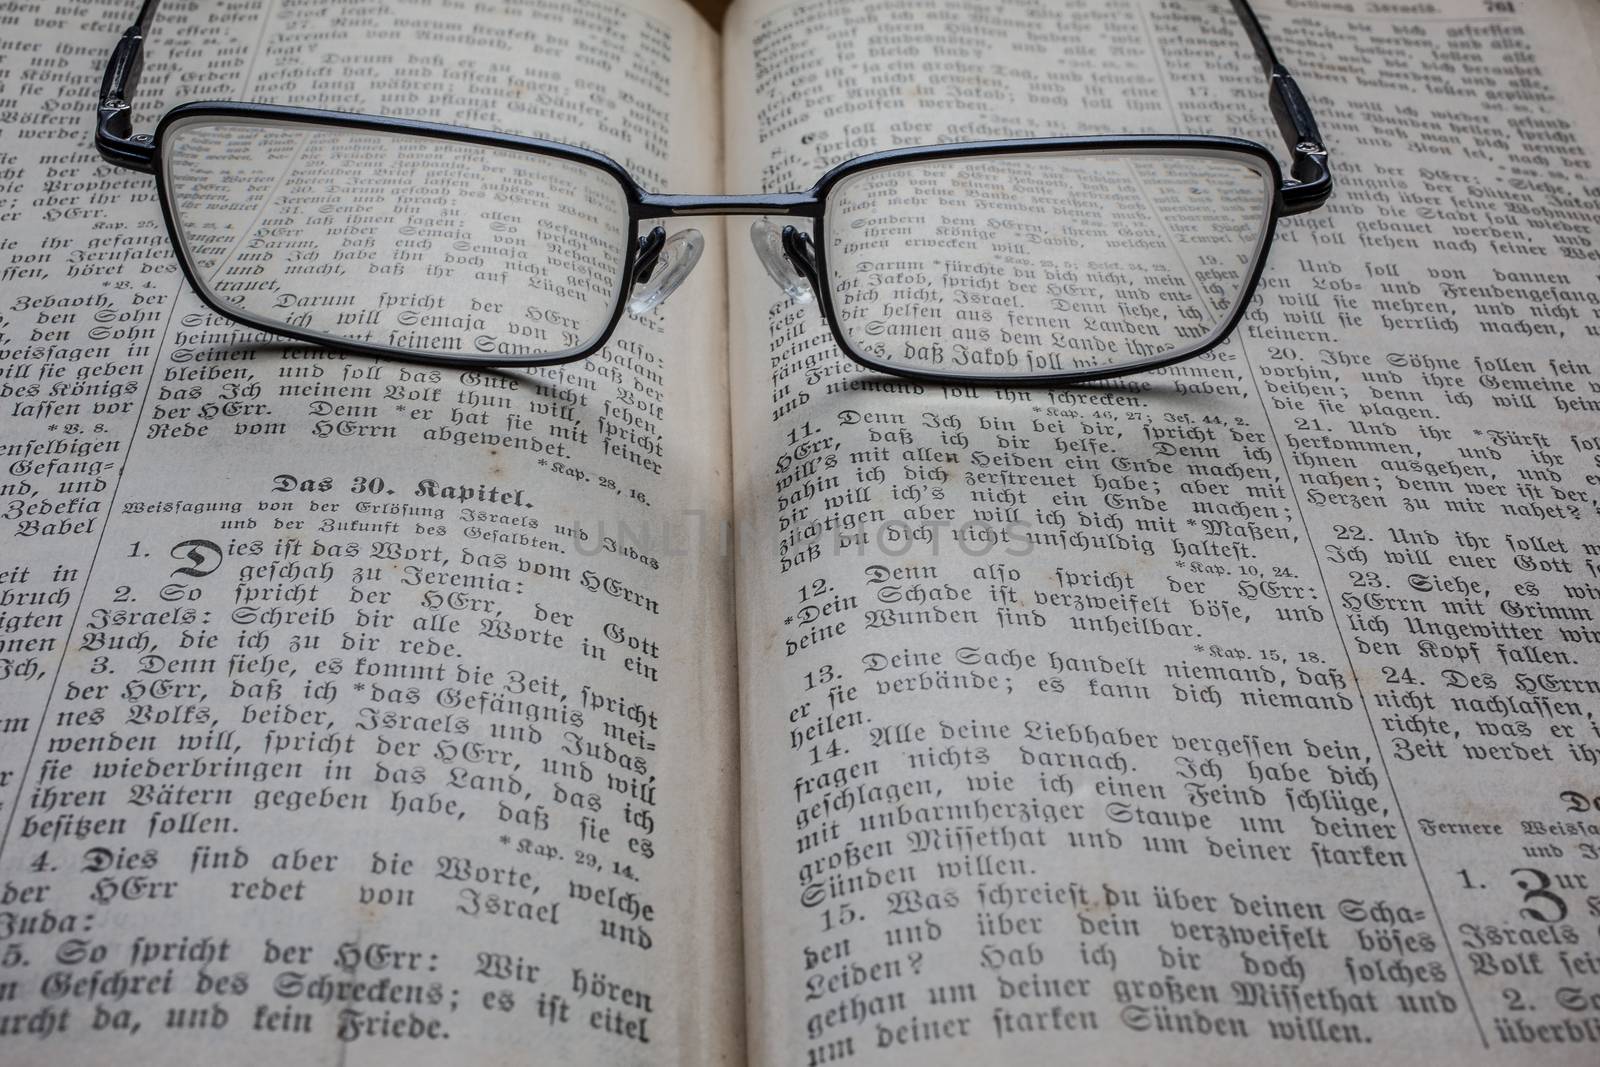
column 88, row 574
column 1327, row 596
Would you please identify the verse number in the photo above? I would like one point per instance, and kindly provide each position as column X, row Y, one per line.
column 1539, row 902
column 823, row 675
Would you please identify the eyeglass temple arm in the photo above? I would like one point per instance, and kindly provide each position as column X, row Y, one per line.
column 1310, row 181
column 113, row 134
column 1308, row 187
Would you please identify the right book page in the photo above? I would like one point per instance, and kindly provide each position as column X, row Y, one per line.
column 1245, row 708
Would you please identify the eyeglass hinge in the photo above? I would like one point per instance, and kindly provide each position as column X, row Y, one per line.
column 1310, row 182
column 118, row 144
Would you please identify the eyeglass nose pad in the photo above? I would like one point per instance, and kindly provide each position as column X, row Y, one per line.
column 787, row 256
column 661, row 265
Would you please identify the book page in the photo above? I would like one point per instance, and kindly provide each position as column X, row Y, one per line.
column 337, row 723
column 1240, row 710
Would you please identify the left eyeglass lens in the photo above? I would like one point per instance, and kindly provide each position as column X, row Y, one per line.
column 429, row 246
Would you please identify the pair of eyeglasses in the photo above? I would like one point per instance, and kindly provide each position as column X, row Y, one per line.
column 1041, row 261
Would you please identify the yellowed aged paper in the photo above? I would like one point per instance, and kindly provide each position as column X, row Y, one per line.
column 339, row 723
column 1237, row 711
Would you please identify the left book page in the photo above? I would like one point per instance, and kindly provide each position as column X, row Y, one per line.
column 337, row 721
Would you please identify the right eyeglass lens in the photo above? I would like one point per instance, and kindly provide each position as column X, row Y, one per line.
column 427, row 246
column 1035, row 264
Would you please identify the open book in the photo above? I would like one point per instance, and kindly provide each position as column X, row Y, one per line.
column 713, row 700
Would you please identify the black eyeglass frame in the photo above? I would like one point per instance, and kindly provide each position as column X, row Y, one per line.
column 1307, row 188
